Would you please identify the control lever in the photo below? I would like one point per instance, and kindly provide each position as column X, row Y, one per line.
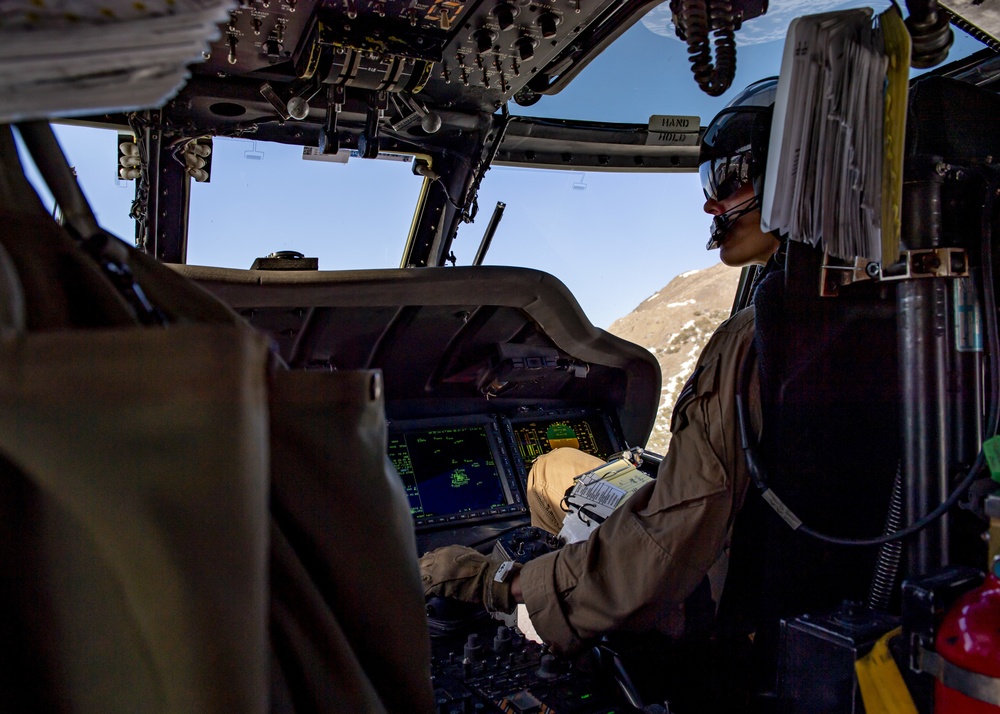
column 368, row 142
column 611, row 661
column 329, row 140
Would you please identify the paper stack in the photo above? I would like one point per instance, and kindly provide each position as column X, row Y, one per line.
column 596, row 494
column 824, row 178
column 70, row 57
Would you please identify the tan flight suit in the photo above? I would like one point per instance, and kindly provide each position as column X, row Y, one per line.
column 654, row 550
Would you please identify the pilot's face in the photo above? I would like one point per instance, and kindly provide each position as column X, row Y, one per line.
column 744, row 243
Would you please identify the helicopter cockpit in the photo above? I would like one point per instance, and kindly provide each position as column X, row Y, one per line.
column 463, row 367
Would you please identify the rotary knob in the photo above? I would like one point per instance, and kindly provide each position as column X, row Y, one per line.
column 501, row 643
column 505, row 14
column 484, row 39
column 548, row 22
column 473, row 647
column 525, row 47
column 547, row 667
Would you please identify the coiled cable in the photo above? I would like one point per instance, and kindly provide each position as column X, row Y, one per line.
column 887, row 564
column 930, row 30
column 694, row 19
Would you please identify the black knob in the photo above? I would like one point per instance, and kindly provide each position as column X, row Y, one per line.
column 368, row 146
column 501, row 643
column 525, row 47
column 473, row 648
column 547, row 667
column 505, row 13
column 548, row 23
column 517, row 641
column 484, row 40
column 329, row 143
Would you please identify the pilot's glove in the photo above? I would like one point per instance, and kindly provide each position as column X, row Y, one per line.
column 467, row 575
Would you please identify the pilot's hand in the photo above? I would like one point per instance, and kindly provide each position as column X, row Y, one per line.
column 467, row 575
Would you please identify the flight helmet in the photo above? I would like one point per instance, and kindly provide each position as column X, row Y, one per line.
column 734, row 151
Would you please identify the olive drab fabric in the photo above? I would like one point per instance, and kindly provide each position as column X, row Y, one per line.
column 465, row 574
column 135, row 521
column 347, row 611
column 653, row 552
column 184, row 526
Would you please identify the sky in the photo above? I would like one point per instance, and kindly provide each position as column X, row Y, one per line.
column 614, row 239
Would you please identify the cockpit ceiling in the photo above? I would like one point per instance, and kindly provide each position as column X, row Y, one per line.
column 314, row 71
column 462, row 55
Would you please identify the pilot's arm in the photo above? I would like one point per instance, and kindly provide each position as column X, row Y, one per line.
column 653, row 551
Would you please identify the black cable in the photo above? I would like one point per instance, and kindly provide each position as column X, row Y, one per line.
column 695, row 19
column 495, row 536
column 989, row 308
column 447, row 194
column 468, row 216
column 759, row 477
column 137, row 211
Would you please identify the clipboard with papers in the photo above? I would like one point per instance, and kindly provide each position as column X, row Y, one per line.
column 833, row 137
column 596, row 494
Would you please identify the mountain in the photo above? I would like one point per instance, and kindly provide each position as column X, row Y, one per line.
column 674, row 324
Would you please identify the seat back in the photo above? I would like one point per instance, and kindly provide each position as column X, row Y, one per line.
column 830, row 447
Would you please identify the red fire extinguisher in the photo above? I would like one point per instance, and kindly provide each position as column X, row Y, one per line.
column 969, row 643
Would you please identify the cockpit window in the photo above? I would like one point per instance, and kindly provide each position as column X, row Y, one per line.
column 265, row 198
column 93, row 155
column 646, row 71
column 613, row 238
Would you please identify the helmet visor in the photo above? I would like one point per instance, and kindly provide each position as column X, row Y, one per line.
column 726, row 152
column 724, row 176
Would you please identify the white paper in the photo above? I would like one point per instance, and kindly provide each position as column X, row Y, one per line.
column 823, row 181
column 71, row 57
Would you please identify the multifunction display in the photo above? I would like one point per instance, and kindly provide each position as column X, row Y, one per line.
column 453, row 472
column 472, row 468
column 591, row 433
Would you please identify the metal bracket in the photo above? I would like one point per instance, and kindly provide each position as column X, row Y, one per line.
column 913, row 264
column 834, row 275
column 928, row 263
column 982, row 687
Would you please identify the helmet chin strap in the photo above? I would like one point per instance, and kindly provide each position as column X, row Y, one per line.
column 724, row 221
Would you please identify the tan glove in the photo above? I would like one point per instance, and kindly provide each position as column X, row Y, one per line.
column 467, row 575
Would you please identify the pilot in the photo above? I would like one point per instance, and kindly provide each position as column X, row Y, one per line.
column 655, row 550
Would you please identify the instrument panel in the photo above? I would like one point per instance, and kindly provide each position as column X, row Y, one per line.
column 464, row 470
column 466, row 480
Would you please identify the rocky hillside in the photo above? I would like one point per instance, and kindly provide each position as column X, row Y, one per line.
column 674, row 324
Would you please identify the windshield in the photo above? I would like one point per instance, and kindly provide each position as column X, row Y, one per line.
column 265, row 198
column 646, row 71
column 613, row 238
